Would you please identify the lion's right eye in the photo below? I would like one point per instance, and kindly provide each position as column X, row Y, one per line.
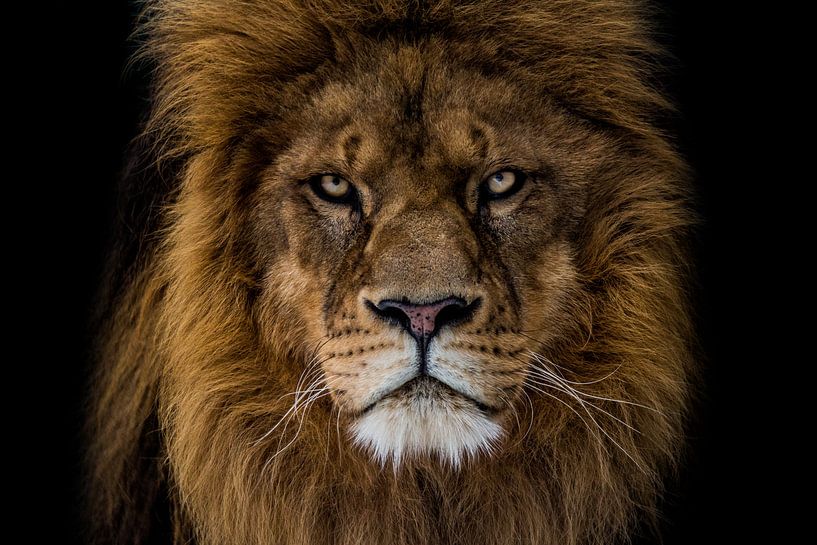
column 332, row 188
column 503, row 184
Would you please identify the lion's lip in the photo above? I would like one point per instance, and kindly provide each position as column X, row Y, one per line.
column 487, row 409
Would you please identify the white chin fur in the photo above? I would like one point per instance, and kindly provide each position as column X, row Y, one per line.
column 449, row 427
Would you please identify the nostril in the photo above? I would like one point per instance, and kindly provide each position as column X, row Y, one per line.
column 422, row 320
column 453, row 313
column 392, row 313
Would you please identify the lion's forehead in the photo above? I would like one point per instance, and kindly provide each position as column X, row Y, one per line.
column 438, row 117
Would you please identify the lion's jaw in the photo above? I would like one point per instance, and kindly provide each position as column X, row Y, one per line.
column 423, row 417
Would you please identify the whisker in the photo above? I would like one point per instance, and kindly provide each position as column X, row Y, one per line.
column 590, row 429
column 311, row 369
column 318, row 393
column 284, row 419
column 337, row 425
column 554, row 381
column 601, row 429
column 542, row 360
column 614, row 417
column 280, row 449
column 548, row 376
column 509, row 402
column 305, row 406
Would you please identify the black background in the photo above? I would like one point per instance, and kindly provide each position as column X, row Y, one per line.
column 80, row 110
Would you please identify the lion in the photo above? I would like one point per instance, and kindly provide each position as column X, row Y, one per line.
column 395, row 273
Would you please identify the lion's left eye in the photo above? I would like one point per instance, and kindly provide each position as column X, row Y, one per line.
column 503, row 184
column 333, row 188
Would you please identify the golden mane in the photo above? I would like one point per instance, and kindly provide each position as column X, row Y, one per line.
column 184, row 384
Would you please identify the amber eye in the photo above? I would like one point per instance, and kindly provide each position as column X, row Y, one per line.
column 333, row 188
column 503, row 183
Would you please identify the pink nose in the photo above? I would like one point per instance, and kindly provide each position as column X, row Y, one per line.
column 423, row 321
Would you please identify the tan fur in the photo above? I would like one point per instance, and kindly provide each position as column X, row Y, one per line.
column 232, row 305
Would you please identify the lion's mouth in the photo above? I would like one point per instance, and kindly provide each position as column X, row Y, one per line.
column 424, row 387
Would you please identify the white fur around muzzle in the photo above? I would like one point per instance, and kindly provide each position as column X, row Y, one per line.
column 447, row 426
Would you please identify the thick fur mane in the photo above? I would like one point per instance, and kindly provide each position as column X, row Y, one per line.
column 188, row 380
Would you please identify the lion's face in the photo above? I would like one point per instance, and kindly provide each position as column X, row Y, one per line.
column 420, row 229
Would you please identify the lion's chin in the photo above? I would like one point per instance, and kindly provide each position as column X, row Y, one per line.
column 426, row 419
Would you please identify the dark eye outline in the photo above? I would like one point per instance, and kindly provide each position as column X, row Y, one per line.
column 349, row 198
column 487, row 194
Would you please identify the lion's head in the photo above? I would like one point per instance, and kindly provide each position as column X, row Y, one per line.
column 418, row 278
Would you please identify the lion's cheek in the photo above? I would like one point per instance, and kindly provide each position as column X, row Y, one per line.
column 292, row 304
column 547, row 289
